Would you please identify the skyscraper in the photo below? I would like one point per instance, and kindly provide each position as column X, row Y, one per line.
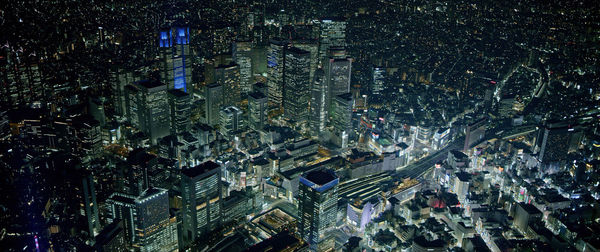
column 242, row 55
column 180, row 103
column 311, row 46
column 317, row 208
column 553, row 142
column 257, row 110
column 296, row 99
column 201, row 195
column 174, row 49
column 318, row 108
column 337, row 73
column 378, row 80
column 332, row 33
column 275, row 71
column 146, row 219
column 79, row 191
column 140, row 164
column 213, row 93
column 341, row 118
column 231, row 120
column 148, row 108
column 229, row 78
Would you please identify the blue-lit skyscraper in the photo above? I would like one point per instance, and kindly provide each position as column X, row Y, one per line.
column 174, row 47
column 317, row 208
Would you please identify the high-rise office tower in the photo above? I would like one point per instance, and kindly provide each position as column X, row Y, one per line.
column 176, row 61
column 180, row 104
column 553, row 142
column 296, row 100
column 213, row 93
column 318, row 108
column 140, row 163
column 337, row 73
column 80, row 192
column 23, row 78
column 275, row 71
column 146, row 219
column 88, row 135
column 378, row 80
column 332, row 33
column 120, row 77
column 148, row 108
column 475, row 131
column 313, row 47
column 229, row 78
column 317, row 208
column 201, row 196
column 242, row 55
column 341, row 118
column 257, row 110
column 231, row 121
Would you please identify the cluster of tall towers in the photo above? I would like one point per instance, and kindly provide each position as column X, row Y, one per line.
column 312, row 101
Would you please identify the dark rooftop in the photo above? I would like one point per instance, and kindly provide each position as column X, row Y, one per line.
column 296, row 50
column 346, row 96
column 459, row 154
column 319, row 177
column 529, row 208
column 150, row 83
column 257, row 95
column 178, row 93
column 200, row 169
column 421, row 241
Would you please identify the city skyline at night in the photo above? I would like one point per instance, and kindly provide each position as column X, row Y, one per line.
column 300, row 125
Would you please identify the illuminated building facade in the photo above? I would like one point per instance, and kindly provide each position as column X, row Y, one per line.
column 332, row 33
column 201, row 195
column 148, row 108
column 257, row 110
column 146, row 219
column 213, row 93
column 242, row 55
column 296, row 100
column 275, row 71
column 176, row 61
column 229, row 78
column 318, row 108
column 317, row 208
column 341, row 118
column 338, row 69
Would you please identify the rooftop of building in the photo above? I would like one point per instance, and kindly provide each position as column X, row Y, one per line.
column 320, row 177
column 529, row 208
column 200, row 169
column 345, row 96
column 296, row 50
column 458, row 154
column 293, row 172
column 422, row 242
column 149, row 84
column 178, row 93
column 257, row 95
